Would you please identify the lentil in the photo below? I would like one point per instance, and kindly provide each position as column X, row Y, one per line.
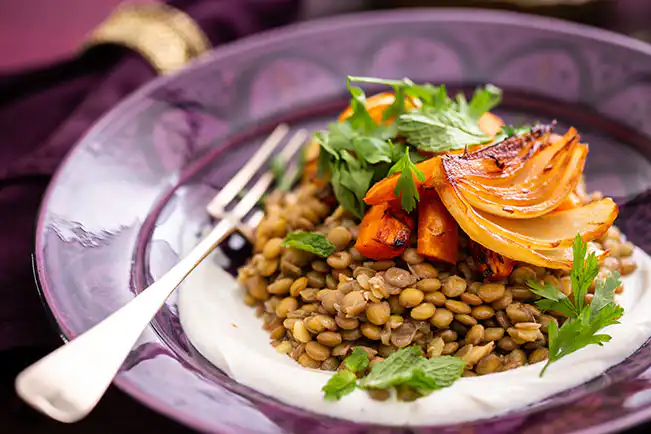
column 371, row 331
column 504, row 301
column 490, row 292
column 457, row 306
column 428, row 285
column 317, row 351
column 339, row 236
column 423, row 311
column 493, row 333
column 300, row 332
column 339, row 260
column 307, row 361
column 411, row 297
column 297, row 286
column 450, row 348
column 488, row 364
column 436, row 298
column 398, row 277
column 378, row 313
column 471, row 299
column 475, row 335
column 272, row 249
column 483, row 312
column 454, row 286
column 286, row 305
column 442, row 318
column 466, row 320
column 411, row 256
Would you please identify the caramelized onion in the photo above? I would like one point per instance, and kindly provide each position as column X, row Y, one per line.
column 514, row 245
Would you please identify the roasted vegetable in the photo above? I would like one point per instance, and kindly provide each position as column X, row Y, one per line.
column 490, row 124
column 518, row 246
column 571, row 201
column 384, row 232
column 437, row 230
column 492, row 266
column 504, row 196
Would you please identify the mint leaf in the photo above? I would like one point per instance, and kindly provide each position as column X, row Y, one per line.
column 310, row 242
column 357, row 360
column 437, row 372
column 554, row 299
column 340, row 384
column 406, row 188
column 408, row 367
column 440, row 131
column 394, row 370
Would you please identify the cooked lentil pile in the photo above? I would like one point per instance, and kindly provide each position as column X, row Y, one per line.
column 317, row 309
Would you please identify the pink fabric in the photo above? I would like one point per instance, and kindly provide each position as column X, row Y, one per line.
column 30, row 24
column 42, row 115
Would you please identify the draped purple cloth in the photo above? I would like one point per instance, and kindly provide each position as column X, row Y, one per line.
column 42, row 115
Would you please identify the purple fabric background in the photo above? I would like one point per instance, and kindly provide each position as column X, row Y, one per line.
column 43, row 113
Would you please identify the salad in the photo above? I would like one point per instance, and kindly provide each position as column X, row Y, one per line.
column 425, row 240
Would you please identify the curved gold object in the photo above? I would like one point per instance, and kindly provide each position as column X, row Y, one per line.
column 167, row 37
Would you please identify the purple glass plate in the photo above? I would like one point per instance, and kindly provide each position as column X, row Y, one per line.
column 118, row 209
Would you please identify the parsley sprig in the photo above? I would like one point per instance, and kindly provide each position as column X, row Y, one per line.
column 359, row 152
column 583, row 321
column 406, row 367
column 406, row 188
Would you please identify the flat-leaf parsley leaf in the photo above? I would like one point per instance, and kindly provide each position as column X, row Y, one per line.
column 406, row 188
column 583, row 321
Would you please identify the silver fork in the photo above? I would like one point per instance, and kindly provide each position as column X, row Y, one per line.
column 68, row 383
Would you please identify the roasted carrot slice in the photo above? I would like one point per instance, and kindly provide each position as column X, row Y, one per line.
column 384, row 232
column 438, row 232
column 383, row 191
column 492, row 266
column 490, row 124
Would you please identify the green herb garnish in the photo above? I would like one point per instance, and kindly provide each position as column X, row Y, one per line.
column 310, row 242
column 358, row 152
column 286, row 176
column 406, row 367
column 340, row 384
column 406, row 188
column 509, row 130
column 357, row 360
column 584, row 321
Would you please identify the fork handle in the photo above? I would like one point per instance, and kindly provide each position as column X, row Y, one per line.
column 68, row 383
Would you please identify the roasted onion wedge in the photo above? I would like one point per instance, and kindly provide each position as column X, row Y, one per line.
column 558, row 229
column 534, row 167
column 499, row 161
column 517, row 246
column 532, row 199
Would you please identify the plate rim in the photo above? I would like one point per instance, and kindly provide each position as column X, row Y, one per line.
column 272, row 37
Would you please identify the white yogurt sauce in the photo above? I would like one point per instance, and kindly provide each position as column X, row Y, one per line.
column 228, row 334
